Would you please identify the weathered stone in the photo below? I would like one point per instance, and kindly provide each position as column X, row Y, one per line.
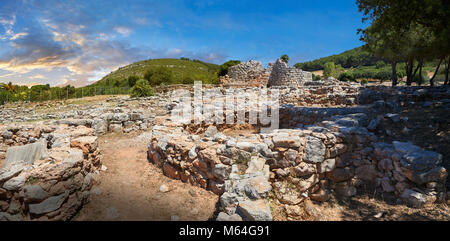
column 366, row 173
column 305, row 184
column 34, row 193
column 341, row 174
column 28, row 153
column 438, row 174
column 258, row 210
column 227, row 218
column 286, row 141
column 327, row 165
column 415, row 199
column 304, row 169
column 4, row 216
column 12, row 170
column 49, row 205
column 255, row 165
column 221, row 172
column 315, row 150
column 320, row 196
column 211, row 131
column 14, row 183
column 257, row 187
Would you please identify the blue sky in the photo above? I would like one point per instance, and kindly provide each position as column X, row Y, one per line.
column 76, row 42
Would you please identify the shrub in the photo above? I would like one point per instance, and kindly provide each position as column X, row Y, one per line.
column 132, row 80
column 316, row 77
column 142, row 89
column 347, row 77
column 156, row 76
column 419, row 81
column 329, row 69
column 223, row 69
column 364, row 81
column 383, row 75
column 380, row 64
column 188, row 80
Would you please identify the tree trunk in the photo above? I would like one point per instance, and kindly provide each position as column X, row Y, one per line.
column 420, row 73
column 394, row 73
column 435, row 72
column 446, row 72
column 409, row 67
column 415, row 71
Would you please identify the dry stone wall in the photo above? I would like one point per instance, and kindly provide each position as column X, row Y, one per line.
column 282, row 75
column 249, row 73
column 321, row 153
column 47, row 171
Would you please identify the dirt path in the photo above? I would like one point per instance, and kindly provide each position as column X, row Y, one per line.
column 130, row 188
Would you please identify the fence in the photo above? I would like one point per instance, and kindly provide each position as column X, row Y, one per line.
column 31, row 95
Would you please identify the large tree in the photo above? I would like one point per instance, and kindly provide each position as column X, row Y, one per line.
column 423, row 23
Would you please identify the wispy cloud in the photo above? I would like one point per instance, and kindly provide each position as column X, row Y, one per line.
column 124, row 31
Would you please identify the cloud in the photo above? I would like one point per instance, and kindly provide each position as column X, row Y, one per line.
column 67, row 43
column 124, row 31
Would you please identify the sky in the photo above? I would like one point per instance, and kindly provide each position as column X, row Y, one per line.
column 78, row 42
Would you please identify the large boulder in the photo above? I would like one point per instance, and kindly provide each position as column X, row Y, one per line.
column 28, row 153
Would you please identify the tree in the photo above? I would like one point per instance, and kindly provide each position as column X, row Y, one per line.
column 329, row 70
column 285, row 58
column 132, row 80
column 142, row 89
column 159, row 75
column 223, row 69
column 424, row 24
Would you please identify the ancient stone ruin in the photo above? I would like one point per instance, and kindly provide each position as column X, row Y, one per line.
column 251, row 73
column 48, row 171
column 318, row 152
column 282, row 75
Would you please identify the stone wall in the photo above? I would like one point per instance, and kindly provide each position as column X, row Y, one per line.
column 48, row 171
column 321, row 153
column 282, row 75
column 250, row 73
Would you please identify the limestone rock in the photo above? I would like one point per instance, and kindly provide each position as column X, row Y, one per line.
column 28, row 153
column 49, row 205
column 258, row 210
column 315, row 150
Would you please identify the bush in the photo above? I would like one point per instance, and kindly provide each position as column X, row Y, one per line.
column 364, row 81
column 380, row 64
column 329, row 70
column 285, row 58
column 347, row 77
column 223, row 69
column 142, row 89
column 316, row 77
column 188, row 81
column 419, row 81
column 383, row 75
column 132, row 80
column 156, row 76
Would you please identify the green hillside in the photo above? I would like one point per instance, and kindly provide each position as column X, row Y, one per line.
column 349, row 59
column 181, row 71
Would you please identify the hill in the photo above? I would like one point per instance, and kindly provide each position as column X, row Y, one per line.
column 349, row 59
column 182, row 70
